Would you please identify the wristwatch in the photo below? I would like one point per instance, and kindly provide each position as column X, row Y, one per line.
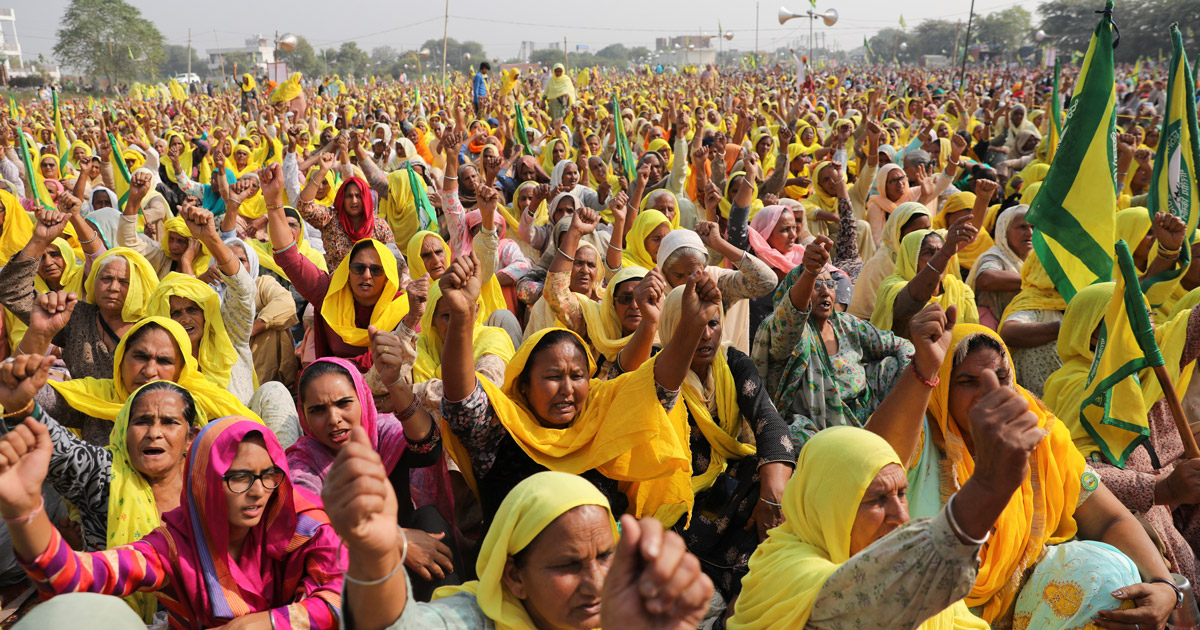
column 1174, row 587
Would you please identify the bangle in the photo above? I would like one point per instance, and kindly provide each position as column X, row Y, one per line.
column 89, row 240
column 277, row 207
column 1171, row 254
column 403, row 557
column 448, row 177
column 1174, row 587
column 23, row 411
column 280, row 251
column 28, row 517
column 770, row 503
column 930, row 384
column 619, row 249
column 933, row 269
column 410, row 410
column 564, row 254
column 958, row 530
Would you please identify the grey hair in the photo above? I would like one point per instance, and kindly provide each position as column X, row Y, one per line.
column 978, row 341
column 913, row 156
column 110, row 259
column 682, row 252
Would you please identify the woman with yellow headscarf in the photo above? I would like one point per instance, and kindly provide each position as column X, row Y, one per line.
column 492, row 346
column 121, row 490
column 907, row 217
column 926, row 271
column 966, row 204
column 1031, row 324
column 831, row 568
column 1062, row 523
column 644, row 238
column 823, row 206
column 428, row 253
column 739, row 484
column 559, row 92
column 1156, row 243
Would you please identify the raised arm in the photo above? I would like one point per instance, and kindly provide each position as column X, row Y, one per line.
column 917, row 293
column 701, row 305
column 460, row 289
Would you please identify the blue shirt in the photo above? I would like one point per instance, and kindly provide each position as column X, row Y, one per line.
column 479, row 88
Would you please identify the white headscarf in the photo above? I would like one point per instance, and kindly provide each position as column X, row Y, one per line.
column 676, row 239
column 1001, row 251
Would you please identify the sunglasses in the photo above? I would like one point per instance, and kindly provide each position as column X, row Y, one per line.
column 359, row 269
column 624, row 300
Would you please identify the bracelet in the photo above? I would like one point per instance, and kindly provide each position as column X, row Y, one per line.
column 930, row 384
column 20, row 413
column 1174, row 587
column 278, row 207
column 448, row 177
column 1169, row 253
column 280, row 251
column 770, row 503
column 403, row 557
column 28, row 517
column 614, row 247
column 933, row 269
column 409, row 411
column 958, row 530
column 564, row 254
column 94, row 237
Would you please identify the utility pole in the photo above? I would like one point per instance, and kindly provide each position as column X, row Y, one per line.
column 756, row 7
column 566, row 62
column 962, row 70
column 445, row 32
column 221, row 56
column 189, row 65
column 957, row 27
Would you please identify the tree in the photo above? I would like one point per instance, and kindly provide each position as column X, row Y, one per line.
column 384, row 55
column 454, row 55
column 109, row 38
column 175, row 61
column 352, row 60
column 303, row 59
column 934, row 37
column 1005, row 30
column 239, row 63
column 546, row 56
column 1069, row 25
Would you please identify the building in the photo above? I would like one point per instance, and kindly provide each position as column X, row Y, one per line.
column 684, row 50
column 10, row 48
column 260, row 49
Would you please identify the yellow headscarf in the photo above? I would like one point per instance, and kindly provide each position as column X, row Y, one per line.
column 17, row 230
column 1133, row 224
column 954, row 291
column 217, row 355
column 248, row 82
column 72, row 273
column 132, row 511
column 178, row 226
column 331, row 195
column 603, row 328
column 528, row 509
column 560, row 85
column 491, row 296
column 1035, row 517
column 103, row 398
column 287, row 90
column 721, row 433
column 756, row 204
column 983, row 242
column 485, row 340
column 266, row 255
column 400, row 206
column 820, row 504
column 1037, row 290
column 635, row 253
column 622, row 431
column 389, row 308
column 658, row 145
column 142, row 280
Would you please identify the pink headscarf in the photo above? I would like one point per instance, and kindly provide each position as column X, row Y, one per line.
column 761, row 227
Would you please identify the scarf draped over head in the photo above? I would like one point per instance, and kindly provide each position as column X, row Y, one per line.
column 959, row 202
column 881, row 176
column 761, row 228
column 491, row 296
column 756, row 204
column 366, row 222
column 132, row 511
column 1037, row 290
column 621, row 430
column 1042, row 512
column 287, row 90
column 721, row 422
column 485, row 340
column 292, row 539
column 560, row 85
column 17, row 229
column 528, row 509
column 103, row 398
column 217, row 354
column 266, row 255
column 142, row 280
column 71, row 279
column 820, row 503
column 386, row 313
column 954, row 292
column 1001, row 251
column 603, row 326
column 176, row 225
column 635, row 253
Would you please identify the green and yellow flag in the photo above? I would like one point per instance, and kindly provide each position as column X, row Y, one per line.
column 1114, row 410
column 902, row 24
column 37, row 181
column 1074, row 212
column 121, row 173
column 522, row 131
column 1056, row 114
column 624, row 153
column 60, row 137
column 1172, row 184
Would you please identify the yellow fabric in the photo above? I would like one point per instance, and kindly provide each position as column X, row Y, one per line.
column 820, row 504
column 603, row 328
column 560, row 85
column 622, row 431
column 1133, row 224
column 722, row 434
column 954, row 291
column 529, row 508
column 653, row 196
column 103, row 398
column 287, row 90
column 389, row 309
column 17, row 230
column 142, row 280
column 485, row 340
column 330, row 196
column 178, row 226
column 400, row 206
column 248, row 82
column 491, row 296
column 635, row 253
column 266, row 255
column 132, row 511
column 217, row 355
column 957, row 203
column 658, row 145
column 756, row 204
column 72, row 274
column 1037, row 290
column 1035, row 516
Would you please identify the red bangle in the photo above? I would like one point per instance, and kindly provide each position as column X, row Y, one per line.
column 930, row 384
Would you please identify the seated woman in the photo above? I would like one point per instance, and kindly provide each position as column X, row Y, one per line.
column 1156, row 241
column 174, row 249
column 846, row 538
column 351, row 219
column 737, row 486
column 154, row 349
column 893, row 191
column 823, row 367
column 908, row 217
column 492, row 348
column 926, row 271
column 244, row 543
column 644, row 238
column 1033, row 549
column 1151, row 477
column 549, row 409
column 996, row 276
column 546, row 518
column 272, row 347
column 1030, row 326
column 830, row 191
column 973, row 205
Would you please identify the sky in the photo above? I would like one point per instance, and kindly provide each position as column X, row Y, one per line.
column 501, row 29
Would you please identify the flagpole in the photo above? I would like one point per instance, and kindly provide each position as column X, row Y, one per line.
column 1181, row 424
column 962, row 70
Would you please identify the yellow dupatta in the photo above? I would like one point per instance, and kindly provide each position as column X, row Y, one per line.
column 72, row 274
column 635, row 253
column 722, row 437
column 1037, row 290
column 491, row 296
column 142, row 280
column 178, row 226
column 266, row 255
column 528, row 509
column 132, row 510
column 1039, row 514
column 217, row 355
column 954, row 291
column 17, row 229
column 103, row 398
column 389, row 309
column 485, row 340
column 756, row 204
column 820, row 502
column 983, row 242
column 603, row 328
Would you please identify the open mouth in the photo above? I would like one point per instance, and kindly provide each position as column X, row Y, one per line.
column 251, row 511
column 705, row 351
column 366, row 286
column 825, row 303
column 589, row 609
column 153, row 451
column 339, row 436
column 563, row 408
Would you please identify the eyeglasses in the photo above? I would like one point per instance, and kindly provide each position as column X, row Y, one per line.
column 239, row 482
column 825, row 284
column 624, row 300
column 359, row 269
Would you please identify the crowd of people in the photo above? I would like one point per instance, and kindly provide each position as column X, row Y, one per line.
column 700, row 349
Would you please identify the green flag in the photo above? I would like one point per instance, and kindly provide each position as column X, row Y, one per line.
column 1056, row 120
column 522, row 133
column 902, row 24
column 628, row 167
column 36, row 181
column 123, row 176
column 1073, row 213
column 425, row 212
